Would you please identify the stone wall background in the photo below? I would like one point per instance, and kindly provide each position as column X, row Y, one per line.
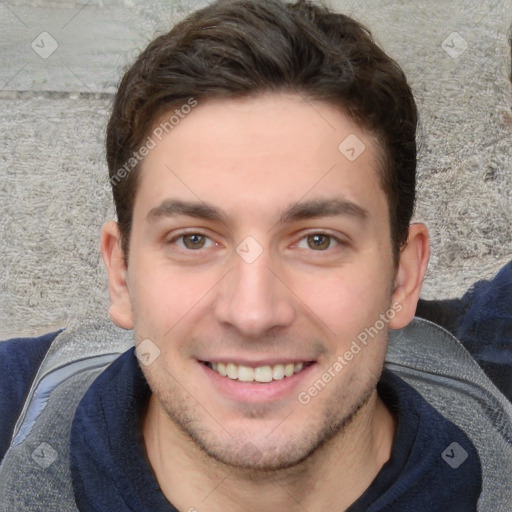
column 55, row 107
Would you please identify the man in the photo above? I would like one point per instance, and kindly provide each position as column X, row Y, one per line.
column 262, row 157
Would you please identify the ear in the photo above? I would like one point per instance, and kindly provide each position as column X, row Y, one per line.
column 113, row 257
column 413, row 263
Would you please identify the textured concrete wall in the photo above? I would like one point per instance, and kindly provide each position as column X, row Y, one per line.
column 60, row 63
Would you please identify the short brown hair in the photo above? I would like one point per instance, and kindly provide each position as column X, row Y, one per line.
column 238, row 48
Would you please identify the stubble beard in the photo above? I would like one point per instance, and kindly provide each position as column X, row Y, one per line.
column 239, row 452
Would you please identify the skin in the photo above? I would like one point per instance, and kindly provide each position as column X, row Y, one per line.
column 259, row 162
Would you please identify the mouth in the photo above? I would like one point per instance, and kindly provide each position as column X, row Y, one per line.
column 260, row 374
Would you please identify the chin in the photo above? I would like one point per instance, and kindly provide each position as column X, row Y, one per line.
column 264, row 452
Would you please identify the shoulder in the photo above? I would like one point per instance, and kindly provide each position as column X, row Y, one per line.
column 482, row 320
column 427, row 480
column 20, row 359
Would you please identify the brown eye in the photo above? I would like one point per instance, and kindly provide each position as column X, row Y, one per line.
column 319, row 242
column 194, row 241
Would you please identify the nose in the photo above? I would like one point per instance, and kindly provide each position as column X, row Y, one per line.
column 254, row 299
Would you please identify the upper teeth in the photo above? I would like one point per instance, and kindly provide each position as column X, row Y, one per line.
column 258, row 374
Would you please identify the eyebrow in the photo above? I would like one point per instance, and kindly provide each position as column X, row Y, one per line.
column 298, row 211
column 324, row 208
column 198, row 210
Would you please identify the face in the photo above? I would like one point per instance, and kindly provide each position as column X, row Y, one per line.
column 261, row 249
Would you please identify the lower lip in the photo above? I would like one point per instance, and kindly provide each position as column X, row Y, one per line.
column 257, row 391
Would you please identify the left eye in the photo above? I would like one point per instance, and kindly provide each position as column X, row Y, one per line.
column 194, row 241
column 318, row 242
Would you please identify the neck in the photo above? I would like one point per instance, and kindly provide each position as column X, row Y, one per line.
column 334, row 476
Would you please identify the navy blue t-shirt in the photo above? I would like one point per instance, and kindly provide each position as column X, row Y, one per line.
column 433, row 467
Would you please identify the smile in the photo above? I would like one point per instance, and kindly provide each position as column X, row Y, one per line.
column 261, row 374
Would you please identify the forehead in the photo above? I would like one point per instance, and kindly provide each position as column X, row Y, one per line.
column 264, row 152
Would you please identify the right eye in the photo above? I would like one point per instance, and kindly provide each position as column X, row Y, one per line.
column 193, row 241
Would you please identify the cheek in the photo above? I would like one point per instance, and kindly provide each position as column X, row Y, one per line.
column 163, row 296
column 345, row 300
